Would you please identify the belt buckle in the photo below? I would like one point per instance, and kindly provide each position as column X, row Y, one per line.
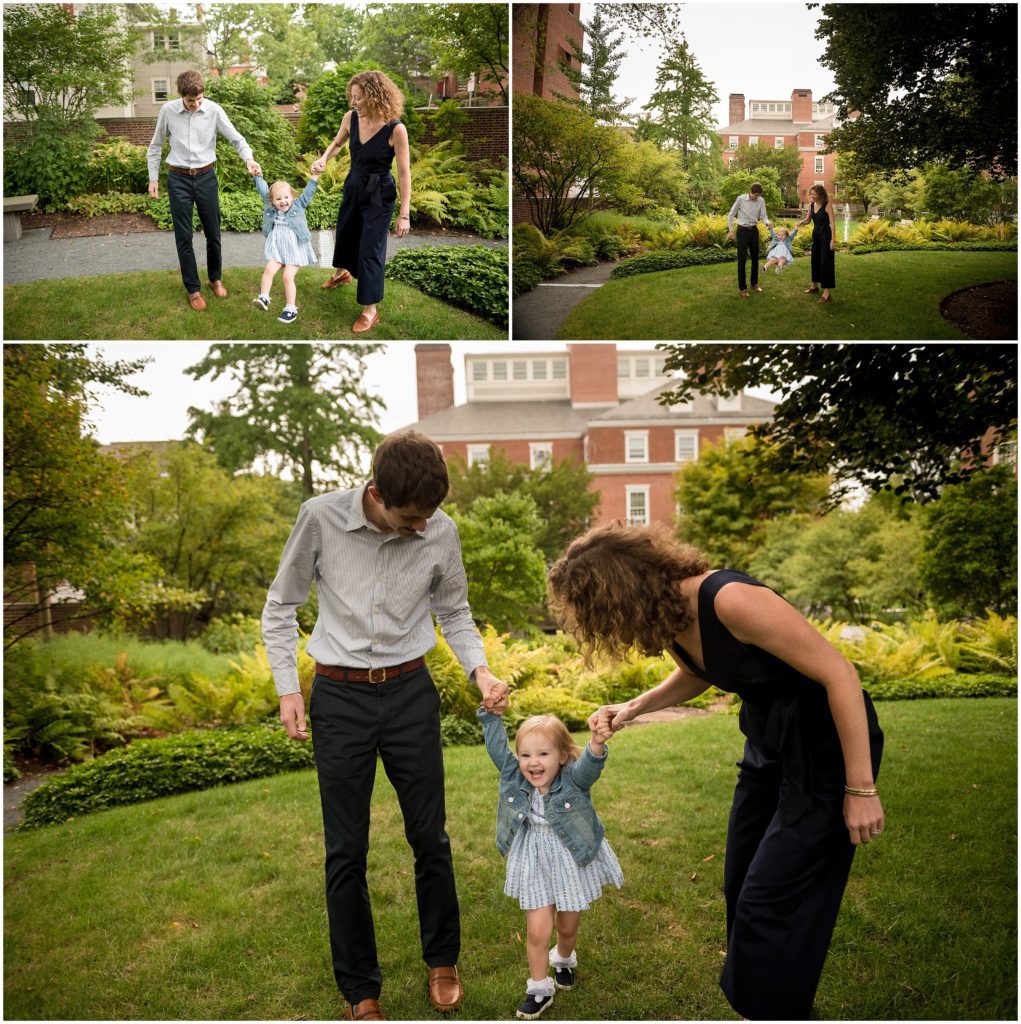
column 372, row 675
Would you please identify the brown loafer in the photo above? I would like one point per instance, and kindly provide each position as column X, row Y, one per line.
column 756, row 288
column 743, row 295
column 196, row 301
column 445, row 989
column 218, row 289
column 365, row 323
column 367, row 1009
column 341, row 277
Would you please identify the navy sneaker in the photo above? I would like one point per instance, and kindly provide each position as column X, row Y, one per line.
column 533, row 1007
column 288, row 316
column 564, row 978
column 262, row 302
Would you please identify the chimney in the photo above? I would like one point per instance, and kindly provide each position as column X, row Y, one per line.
column 435, row 377
column 593, row 374
column 736, row 108
column 801, row 106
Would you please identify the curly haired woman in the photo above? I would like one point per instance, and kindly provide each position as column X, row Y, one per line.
column 805, row 794
column 377, row 135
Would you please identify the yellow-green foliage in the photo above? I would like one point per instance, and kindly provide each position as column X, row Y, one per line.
column 989, row 645
column 550, row 700
column 877, row 231
column 245, row 695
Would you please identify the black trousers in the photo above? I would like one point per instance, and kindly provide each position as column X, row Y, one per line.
column 824, row 269
column 360, row 246
column 747, row 245
column 203, row 192
column 399, row 721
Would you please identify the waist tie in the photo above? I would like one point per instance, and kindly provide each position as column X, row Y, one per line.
column 776, row 728
column 375, row 186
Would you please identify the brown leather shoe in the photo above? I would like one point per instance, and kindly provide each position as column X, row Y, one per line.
column 367, row 1009
column 339, row 277
column 196, row 301
column 445, row 989
column 365, row 323
column 218, row 289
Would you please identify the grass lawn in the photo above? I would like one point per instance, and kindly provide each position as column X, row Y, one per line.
column 881, row 296
column 152, row 304
column 210, row 905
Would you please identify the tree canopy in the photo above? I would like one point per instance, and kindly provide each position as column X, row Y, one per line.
column 594, row 69
column 786, row 161
column 921, row 78
column 472, row 39
column 910, row 417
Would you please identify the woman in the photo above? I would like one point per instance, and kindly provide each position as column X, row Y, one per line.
column 805, row 793
column 824, row 234
column 376, row 135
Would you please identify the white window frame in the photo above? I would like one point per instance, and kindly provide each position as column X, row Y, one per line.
column 734, row 433
column 777, row 142
column 734, row 142
column 820, row 165
column 540, row 454
column 623, row 368
column 480, row 371
column 633, row 490
column 498, row 366
column 753, row 140
column 522, row 365
column 636, row 435
column 558, row 369
column 166, row 90
column 681, row 454
column 641, row 364
column 477, row 454
column 544, row 363
column 820, row 142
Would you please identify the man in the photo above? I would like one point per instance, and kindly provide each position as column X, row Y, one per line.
column 749, row 210
column 383, row 557
column 192, row 123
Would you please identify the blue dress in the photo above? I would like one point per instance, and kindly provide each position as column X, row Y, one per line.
column 283, row 246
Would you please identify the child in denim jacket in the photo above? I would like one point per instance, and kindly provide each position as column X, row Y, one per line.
column 558, row 858
column 288, row 240
column 780, row 252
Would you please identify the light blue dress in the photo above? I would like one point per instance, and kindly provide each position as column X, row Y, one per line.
column 283, row 246
column 780, row 248
column 541, row 871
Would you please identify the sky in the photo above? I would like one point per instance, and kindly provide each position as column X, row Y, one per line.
column 762, row 50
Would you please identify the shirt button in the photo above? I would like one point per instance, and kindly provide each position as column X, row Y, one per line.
column 520, row 815
column 567, row 807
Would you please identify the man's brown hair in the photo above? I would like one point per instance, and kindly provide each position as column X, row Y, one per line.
column 190, row 83
column 408, row 469
column 756, row 188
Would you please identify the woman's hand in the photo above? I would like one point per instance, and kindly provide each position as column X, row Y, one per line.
column 864, row 818
column 318, row 166
column 833, row 245
column 403, row 226
column 611, row 718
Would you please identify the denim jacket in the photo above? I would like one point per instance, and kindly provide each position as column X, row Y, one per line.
column 781, row 247
column 568, row 804
column 295, row 215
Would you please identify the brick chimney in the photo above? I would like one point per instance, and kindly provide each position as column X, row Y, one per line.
column 736, row 108
column 801, row 106
column 435, row 377
column 593, row 374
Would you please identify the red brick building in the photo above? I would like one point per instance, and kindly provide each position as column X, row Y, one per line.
column 541, row 41
column 796, row 122
column 591, row 402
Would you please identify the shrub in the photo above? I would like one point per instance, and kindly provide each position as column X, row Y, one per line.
column 989, row 645
column 11, row 773
column 154, row 768
column 449, row 190
column 471, row 277
column 51, row 160
column 985, row 684
column 95, row 205
column 671, row 259
column 459, row 732
column 231, row 634
column 895, row 245
column 525, row 276
column 549, row 700
column 117, row 165
column 449, row 121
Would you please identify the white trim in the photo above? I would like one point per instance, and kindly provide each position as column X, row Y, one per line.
column 544, row 448
column 636, row 435
column 494, row 438
column 630, row 468
column 643, row 489
column 676, row 420
column 477, row 453
column 691, row 435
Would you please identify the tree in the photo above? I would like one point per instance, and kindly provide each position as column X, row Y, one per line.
column 400, row 39
column 648, row 21
column 969, row 551
column 336, row 28
column 472, row 39
column 738, row 183
column 907, row 417
column 682, row 104
column 857, row 183
column 300, row 406
column 786, row 161
column 958, row 194
column 918, row 75
column 559, row 156
column 506, row 572
column 560, row 492
column 230, row 31
column 288, row 49
column 650, row 181
column 731, row 492
column 593, row 72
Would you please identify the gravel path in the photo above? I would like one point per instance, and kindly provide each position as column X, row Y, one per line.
column 15, row 792
column 539, row 313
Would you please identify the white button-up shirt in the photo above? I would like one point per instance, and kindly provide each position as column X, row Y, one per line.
column 192, row 136
column 748, row 211
column 376, row 591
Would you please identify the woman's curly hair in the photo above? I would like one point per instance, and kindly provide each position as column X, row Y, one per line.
column 617, row 588
column 382, row 97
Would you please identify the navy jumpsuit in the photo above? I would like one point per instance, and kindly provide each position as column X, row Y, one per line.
column 824, row 270
column 363, row 220
column 788, row 852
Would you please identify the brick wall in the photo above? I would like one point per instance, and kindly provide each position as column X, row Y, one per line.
column 518, row 451
column 434, row 378
column 593, row 373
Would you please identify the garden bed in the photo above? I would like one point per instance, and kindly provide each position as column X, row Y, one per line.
column 984, row 312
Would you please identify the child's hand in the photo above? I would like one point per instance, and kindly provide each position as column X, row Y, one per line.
column 601, row 731
column 318, row 167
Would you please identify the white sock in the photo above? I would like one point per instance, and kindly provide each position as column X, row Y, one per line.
column 264, row 296
column 556, row 960
column 546, row 987
column 289, row 308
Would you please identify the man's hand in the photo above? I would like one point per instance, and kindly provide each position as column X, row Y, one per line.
column 254, row 168
column 292, row 715
column 154, row 189
column 495, row 693
column 730, row 235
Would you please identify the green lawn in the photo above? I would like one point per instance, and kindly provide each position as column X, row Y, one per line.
column 153, row 304
column 210, row 905
column 882, row 296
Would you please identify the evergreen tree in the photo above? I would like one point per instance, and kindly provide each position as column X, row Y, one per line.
column 682, row 105
column 594, row 72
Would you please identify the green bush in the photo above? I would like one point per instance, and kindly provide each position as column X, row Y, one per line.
column 671, row 259
column 983, row 684
column 117, row 165
column 154, row 768
column 459, row 732
column 895, row 245
column 449, row 121
column 97, row 204
column 469, row 276
column 51, row 160
column 11, row 773
column 231, row 634
column 525, row 276
column 550, row 700
column 448, row 189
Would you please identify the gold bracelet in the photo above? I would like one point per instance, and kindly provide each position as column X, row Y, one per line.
column 861, row 792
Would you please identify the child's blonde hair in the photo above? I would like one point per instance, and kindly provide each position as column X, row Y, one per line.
column 555, row 730
column 782, row 232
column 284, row 184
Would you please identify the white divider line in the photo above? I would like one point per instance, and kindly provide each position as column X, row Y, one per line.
column 543, row 284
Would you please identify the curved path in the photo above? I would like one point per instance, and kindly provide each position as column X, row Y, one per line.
column 539, row 313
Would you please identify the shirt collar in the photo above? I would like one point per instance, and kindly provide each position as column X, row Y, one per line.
column 356, row 519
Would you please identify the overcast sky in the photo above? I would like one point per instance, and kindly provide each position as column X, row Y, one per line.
column 762, row 50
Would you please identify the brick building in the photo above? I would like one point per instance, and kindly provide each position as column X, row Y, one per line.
column 799, row 122
column 590, row 402
column 541, row 41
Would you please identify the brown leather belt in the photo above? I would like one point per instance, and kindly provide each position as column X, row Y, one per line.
column 191, row 170
column 367, row 675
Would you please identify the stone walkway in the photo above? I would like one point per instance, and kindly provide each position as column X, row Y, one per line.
column 539, row 313
column 15, row 793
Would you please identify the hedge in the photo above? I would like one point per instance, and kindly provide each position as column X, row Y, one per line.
column 672, row 259
column 978, row 684
column 895, row 245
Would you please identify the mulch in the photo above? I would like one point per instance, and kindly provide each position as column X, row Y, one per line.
column 985, row 312
column 70, row 225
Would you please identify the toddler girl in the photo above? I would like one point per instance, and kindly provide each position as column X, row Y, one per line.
column 558, row 858
column 288, row 240
column 780, row 252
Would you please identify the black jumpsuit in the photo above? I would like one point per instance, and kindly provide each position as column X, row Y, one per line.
column 788, row 851
column 824, row 269
column 363, row 220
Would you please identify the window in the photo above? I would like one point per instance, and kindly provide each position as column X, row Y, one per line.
column 734, row 142
column 686, row 445
column 169, row 40
column 778, row 142
column 560, row 369
column 520, row 369
column 659, row 366
column 820, row 142
column 540, row 453
column 499, row 370
column 753, row 140
column 26, row 94
column 539, row 369
column 159, row 90
column 642, row 367
column 819, row 165
column 637, row 497
column 729, row 403
column 480, row 370
column 623, row 368
column 478, row 454
column 636, row 446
